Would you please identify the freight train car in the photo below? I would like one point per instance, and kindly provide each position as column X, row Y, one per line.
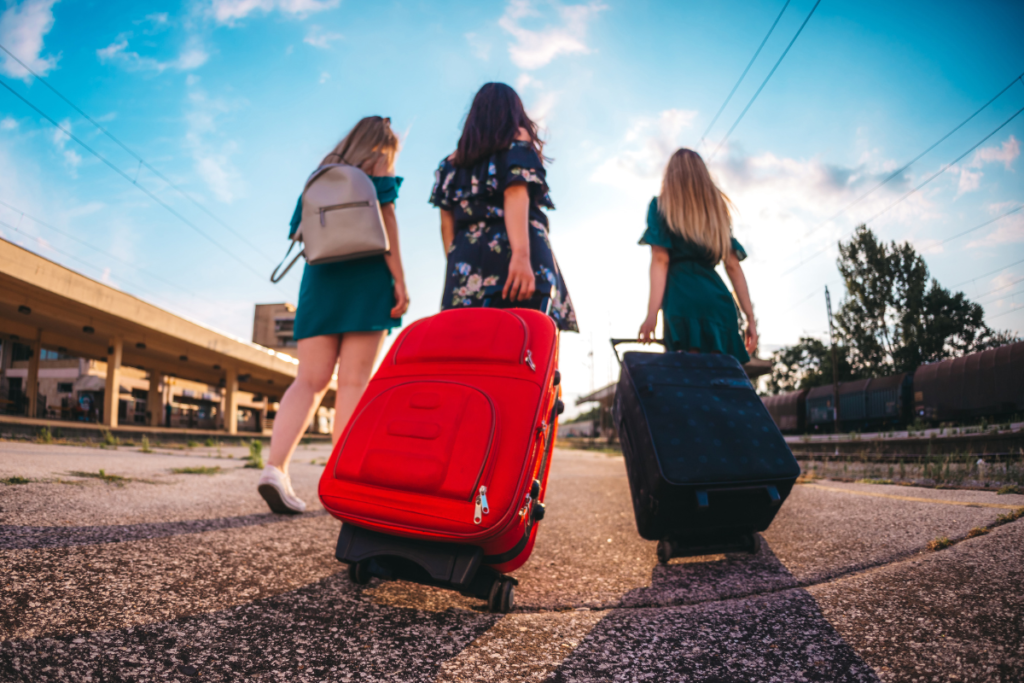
column 990, row 383
column 788, row 410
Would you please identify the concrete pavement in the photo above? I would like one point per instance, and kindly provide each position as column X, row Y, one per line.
column 167, row 576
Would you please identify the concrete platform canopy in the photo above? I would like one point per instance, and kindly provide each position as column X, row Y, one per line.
column 43, row 304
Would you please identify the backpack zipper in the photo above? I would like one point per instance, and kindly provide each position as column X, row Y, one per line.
column 349, row 205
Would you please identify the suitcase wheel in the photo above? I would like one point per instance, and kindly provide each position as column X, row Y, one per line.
column 664, row 551
column 502, row 597
column 359, row 572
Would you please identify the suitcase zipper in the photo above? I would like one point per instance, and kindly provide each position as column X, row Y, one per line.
column 350, row 205
column 528, row 359
column 482, row 508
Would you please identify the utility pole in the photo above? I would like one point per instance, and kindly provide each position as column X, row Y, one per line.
column 835, row 362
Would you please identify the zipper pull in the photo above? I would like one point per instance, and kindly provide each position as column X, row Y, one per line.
column 529, row 360
column 482, row 508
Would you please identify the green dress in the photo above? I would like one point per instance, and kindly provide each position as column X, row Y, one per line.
column 347, row 296
column 698, row 309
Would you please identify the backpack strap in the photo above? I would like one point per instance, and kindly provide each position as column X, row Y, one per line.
column 274, row 277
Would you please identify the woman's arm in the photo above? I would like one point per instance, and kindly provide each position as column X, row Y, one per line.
column 659, row 276
column 739, row 285
column 521, row 282
column 394, row 260
column 447, row 230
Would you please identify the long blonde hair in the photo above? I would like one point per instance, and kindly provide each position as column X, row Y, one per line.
column 369, row 141
column 693, row 206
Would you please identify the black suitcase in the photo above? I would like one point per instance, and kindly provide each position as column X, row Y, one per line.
column 707, row 466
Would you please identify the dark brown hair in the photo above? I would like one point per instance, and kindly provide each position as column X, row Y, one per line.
column 492, row 124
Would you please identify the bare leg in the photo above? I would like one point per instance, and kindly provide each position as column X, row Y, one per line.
column 317, row 357
column 359, row 352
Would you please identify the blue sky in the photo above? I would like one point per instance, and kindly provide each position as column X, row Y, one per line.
column 235, row 101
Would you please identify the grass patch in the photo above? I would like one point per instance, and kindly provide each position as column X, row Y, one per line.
column 191, row 444
column 102, row 475
column 12, row 481
column 977, row 531
column 44, row 436
column 255, row 455
column 939, row 543
column 108, row 439
column 196, row 470
column 210, row 443
column 874, row 481
column 1012, row 488
column 145, row 445
column 1011, row 516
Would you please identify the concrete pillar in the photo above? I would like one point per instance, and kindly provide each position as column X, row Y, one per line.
column 263, row 414
column 231, row 401
column 111, row 393
column 6, row 356
column 155, row 399
column 32, row 381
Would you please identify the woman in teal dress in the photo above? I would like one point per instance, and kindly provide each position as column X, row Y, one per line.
column 689, row 230
column 345, row 310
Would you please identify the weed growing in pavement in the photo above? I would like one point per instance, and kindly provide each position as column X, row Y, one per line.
column 1011, row 516
column 196, row 470
column 874, row 481
column 191, row 444
column 255, row 455
column 11, row 481
column 939, row 543
column 44, row 436
column 145, row 445
column 210, row 443
column 977, row 531
column 1012, row 488
column 102, row 474
column 108, row 439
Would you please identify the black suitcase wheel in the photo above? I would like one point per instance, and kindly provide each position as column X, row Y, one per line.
column 502, row 597
column 664, row 551
column 359, row 572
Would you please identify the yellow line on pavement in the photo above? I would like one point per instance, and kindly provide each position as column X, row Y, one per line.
column 915, row 500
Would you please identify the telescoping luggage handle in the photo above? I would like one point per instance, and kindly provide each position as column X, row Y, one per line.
column 616, row 342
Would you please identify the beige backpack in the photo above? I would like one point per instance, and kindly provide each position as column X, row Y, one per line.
column 341, row 219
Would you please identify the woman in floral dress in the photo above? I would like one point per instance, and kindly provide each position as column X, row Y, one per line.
column 490, row 192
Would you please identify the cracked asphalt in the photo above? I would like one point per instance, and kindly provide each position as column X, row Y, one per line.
column 184, row 577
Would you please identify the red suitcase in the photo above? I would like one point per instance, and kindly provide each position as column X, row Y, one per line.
column 440, row 475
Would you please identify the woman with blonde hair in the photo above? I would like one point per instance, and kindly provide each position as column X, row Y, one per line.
column 345, row 310
column 689, row 230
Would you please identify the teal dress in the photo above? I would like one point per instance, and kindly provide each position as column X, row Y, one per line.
column 347, row 296
column 698, row 309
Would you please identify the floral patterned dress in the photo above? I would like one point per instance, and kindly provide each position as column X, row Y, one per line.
column 479, row 257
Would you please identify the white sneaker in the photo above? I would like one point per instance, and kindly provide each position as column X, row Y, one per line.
column 276, row 489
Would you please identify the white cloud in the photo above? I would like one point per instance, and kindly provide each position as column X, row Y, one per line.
column 1010, row 230
column 60, row 139
column 192, row 56
column 481, row 47
column 971, row 174
column 229, row 11
column 22, row 28
column 8, row 123
column 318, row 37
column 648, row 144
column 534, row 48
column 211, row 155
column 324, row 77
column 105, row 277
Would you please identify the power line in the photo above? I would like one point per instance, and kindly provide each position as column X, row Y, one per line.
column 97, row 249
column 999, row 289
column 910, row 163
column 744, row 74
column 142, row 162
column 976, row 227
column 978, row 277
column 126, row 177
column 765, row 82
column 930, row 178
column 1012, row 310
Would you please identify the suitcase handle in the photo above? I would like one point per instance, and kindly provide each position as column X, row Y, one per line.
column 616, row 342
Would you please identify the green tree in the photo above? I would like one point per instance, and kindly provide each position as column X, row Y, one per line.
column 894, row 318
column 806, row 365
